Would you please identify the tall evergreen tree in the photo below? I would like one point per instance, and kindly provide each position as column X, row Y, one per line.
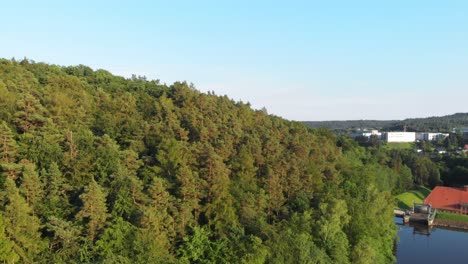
column 8, row 152
column 7, row 252
column 94, row 209
column 56, row 198
column 30, row 114
column 21, row 226
column 156, row 236
column 31, row 186
column 219, row 208
column 8, row 146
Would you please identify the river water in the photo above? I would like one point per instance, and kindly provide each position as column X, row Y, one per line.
column 420, row 244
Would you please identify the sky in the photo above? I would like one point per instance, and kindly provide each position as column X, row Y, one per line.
column 301, row 60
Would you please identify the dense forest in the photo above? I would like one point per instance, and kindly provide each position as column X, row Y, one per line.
column 429, row 124
column 97, row 168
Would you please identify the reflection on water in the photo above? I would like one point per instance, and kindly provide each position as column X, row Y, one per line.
column 423, row 244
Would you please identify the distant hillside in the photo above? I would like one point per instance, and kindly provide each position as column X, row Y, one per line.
column 352, row 124
column 436, row 123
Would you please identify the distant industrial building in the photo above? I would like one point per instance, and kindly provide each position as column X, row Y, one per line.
column 427, row 136
column 462, row 130
column 366, row 133
column 400, row 136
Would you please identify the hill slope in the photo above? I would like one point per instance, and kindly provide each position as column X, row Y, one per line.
column 98, row 168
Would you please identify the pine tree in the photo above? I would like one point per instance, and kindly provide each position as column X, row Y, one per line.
column 64, row 243
column 31, row 185
column 30, row 114
column 8, row 146
column 219, row 208
column 56, row 199
column 106, row 159
column 116, row 244
column 8, row 152
column 94, row 210
column 7, row 252
column 190, row 196
column 157, row 232
column 274, row 188
column 21, row 226
column 7, row 102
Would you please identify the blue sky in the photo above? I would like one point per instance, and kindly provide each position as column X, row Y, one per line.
column 302, row 60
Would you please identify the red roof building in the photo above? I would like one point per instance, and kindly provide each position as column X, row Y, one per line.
column 449, row 199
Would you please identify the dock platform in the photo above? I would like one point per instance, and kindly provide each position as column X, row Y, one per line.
column 421, row 213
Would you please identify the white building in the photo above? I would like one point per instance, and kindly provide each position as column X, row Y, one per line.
column 427, row 136
column 399, row 136
column 463, row 130
column 435, row 136
column 420, row 136
column 366, row 133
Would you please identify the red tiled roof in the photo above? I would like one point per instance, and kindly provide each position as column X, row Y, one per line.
column 447, row 198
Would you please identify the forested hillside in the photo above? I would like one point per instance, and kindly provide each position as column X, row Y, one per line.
column 429, row 124
column 351, row 124
column 97, row 168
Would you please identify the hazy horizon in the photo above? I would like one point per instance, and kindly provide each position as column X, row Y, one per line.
column 300, row 60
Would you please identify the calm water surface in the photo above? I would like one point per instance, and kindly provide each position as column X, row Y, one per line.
column 420, row 244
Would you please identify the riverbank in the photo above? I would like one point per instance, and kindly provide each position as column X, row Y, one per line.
column 451, row 220
column 453, row 224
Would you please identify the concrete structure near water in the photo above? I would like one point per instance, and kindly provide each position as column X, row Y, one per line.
column 421, row 213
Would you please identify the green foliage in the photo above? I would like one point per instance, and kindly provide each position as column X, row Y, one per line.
column 96, row 168
column 7, row 102
column 8, row 145
column 65, row 239
column 56, row 202
column 7, row 252
column 94, row 210
column 116, row 242
column 21, row 226
column 200, row 248
column 454, row 170
column 399, row 145
column 334, row 216
column 426, row 173
column 294, row 242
